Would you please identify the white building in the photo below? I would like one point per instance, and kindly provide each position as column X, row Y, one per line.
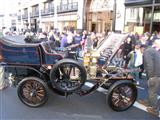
column 8, row 21
column 45, row 14
column 8, row 17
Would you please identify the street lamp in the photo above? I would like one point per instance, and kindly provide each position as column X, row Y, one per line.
column 114, row 16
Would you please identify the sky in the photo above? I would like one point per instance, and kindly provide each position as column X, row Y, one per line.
column 8, row 6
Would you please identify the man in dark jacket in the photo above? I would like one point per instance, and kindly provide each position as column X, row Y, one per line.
column 152, row 67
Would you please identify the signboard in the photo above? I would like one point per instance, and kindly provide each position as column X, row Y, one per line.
column 135, row 1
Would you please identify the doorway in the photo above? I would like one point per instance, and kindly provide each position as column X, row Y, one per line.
column 93, row 27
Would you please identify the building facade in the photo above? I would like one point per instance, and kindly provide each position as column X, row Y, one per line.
column 92, row 15
column 47, row 14
column 142, row 16
column 98, row 15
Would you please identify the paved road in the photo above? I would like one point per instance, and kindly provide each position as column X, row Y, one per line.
column 91, row 107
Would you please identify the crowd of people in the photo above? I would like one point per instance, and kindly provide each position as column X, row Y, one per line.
column 144, row 52
column 67, row 38
column 137, row 51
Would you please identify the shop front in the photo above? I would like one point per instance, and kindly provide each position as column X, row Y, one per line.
column 47, row 23
column 142, row 16
column 67, row 21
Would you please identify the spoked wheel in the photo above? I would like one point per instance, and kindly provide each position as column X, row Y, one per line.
column 68, row 76
column 122, row 96
column 32, row 92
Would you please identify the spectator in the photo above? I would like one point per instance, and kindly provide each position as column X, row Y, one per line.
column 149, row 42
column 135, row 60
column 94, row 40
column 42, row 37
column 3, row 85
column 126, row 49
column 70, row 38
column 57, row 39
column 63, row 40
column 153, row 37
column 83, row 42
column 133, row 39
column 29, row 36
column 77, row 38
column 136, row 36
column 51, row 36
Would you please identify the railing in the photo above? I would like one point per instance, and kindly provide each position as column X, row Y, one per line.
column 19, row 17
column 47, row 11
column 67, row 7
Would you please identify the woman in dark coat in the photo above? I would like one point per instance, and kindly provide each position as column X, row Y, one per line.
column 126, row 49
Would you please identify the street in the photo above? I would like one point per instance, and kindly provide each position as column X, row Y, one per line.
column 91, row 107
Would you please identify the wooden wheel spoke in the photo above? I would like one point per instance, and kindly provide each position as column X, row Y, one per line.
column 39, row 91
column 40, row 94
column 26, row 90
column 68, row 70
column 28, row 86
column 39, row 98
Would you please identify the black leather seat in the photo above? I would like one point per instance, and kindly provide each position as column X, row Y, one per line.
column 48, row 47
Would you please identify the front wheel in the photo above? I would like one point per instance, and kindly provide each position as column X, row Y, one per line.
column 32, row 91
column 122, row 95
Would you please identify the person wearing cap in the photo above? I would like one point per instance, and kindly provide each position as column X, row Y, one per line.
column 135, row 61
column 152, row 67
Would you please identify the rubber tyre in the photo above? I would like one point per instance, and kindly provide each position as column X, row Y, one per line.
column 63, row 62
column 114, row 87
column 20, row 89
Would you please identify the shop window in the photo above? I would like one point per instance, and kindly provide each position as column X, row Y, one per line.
column 156, row 16
column 157, row 1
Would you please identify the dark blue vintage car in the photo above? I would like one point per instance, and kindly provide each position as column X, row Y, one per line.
column 35, row 67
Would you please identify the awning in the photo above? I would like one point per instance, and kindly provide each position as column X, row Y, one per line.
column 137, row 2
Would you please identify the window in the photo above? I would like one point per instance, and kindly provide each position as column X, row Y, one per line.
column 132, row 14
column 25, row 11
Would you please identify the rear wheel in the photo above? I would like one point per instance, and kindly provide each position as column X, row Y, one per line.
column 32, row 91
column 122, row 95
column 68, row 76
